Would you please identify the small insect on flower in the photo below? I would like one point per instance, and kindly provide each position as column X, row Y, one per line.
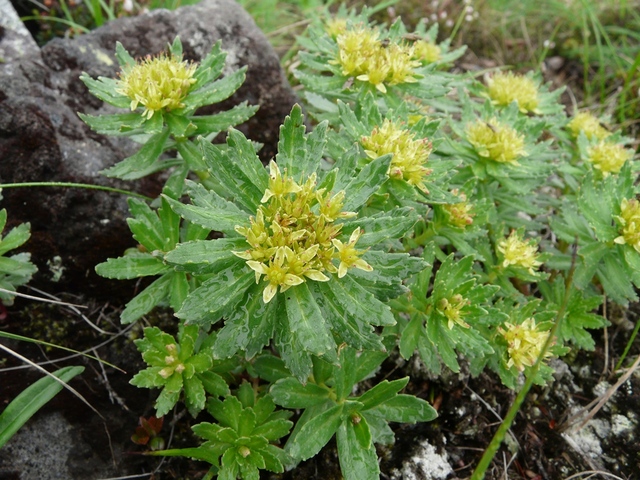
column 504, row 88
column 157, row 83
column 629, row 223
column 495, row 141
column 525, row 342
column 589, row 124
column 608, row 157
column 518, row 252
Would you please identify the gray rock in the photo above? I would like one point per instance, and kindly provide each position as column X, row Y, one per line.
column 42, row 139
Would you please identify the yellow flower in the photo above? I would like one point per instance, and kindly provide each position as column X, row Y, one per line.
column 589, row 124
column 292, row 238
column 518, row 252
column 452, row 310
column 629, row 221
column 336, row 26
column 409, row 154
column 497, row 142
column 157, row 83
column 460, row 214
column 426, row 52
column 524, row 342
column 504, row 88
column 350, row 257
column 608, row 157
column 362, row 55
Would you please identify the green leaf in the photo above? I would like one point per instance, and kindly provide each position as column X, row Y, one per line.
column 407, row 409
column 213, row 383
column 144, row 302
column 105, row 89
column 356, row 462
column 206, row 256
column 238, row 170
column 215, row 92
column 345, row 375
column 368, row 182
column 194, row 395
column 355, row 331
column 123, row 57
column 315, row 434
column 206, row 303
column 220, row 122
column 360, row 303
column 146, row 226
column 382, row 392
column 215, row 217
column 292, row 143
column 273, row 430
column 410, row 335
column 290, row 393
column 132, row 266
column 192, row 155
column 382, row 226
column 270, row 368
column 16, row 267
column 133, row 167
column 31, row 399
column 307, row 323
column 120, row 124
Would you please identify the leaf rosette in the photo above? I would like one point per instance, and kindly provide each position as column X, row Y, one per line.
column 297, row 262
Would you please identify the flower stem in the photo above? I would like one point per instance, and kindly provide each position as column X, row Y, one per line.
column 88, row 186
column 498, row 437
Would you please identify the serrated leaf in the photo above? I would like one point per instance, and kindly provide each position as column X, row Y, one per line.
column 218, row 218
column 206, row 256
column 206, row 303
column 345, row 375
column 16, row 237
column 382, row 392
column 290, row 393
column 146, row 300
column 407, row 409
column 410, row 336
column 215, row 92
column 130, row 168
column 145, row 225
column 274, row 429
column 292, row 143
column 356, row 462
column 367, row 182
column 105, row 89
column 192, row 155
column 123, row 57
column 360, row 303
column 238, row 170
column 315, row 434
column 194, row 395
column 132, row 266
column 220, row 122
column 307, row 323
column 382, row 226
column 120, row 124
column 213, row 383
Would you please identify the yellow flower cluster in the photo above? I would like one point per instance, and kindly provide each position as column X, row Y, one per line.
column 336, row 26
column 461, row 213
column 495, row 141
column 518, row 252
column 504, row 88
column 608, row 157
column 362, row 55
column 524, row 342
column 409, row 154
column 426, row 52
column 629, row 221
column 589, row 124
column 292, row 241
column 172, row 361
column 452, row 310
column 157, row 83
